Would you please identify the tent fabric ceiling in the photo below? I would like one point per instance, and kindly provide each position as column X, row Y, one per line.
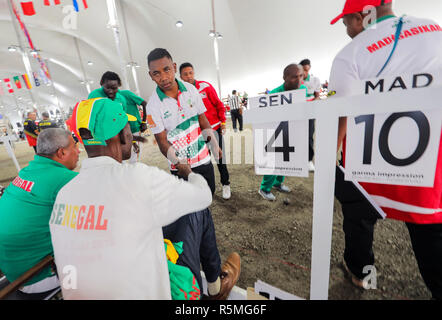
column 260, row 38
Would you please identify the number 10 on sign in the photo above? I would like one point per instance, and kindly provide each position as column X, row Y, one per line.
column 399, row 148
column 281, row 148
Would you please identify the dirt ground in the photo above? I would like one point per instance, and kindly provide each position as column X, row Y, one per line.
column 274, row 240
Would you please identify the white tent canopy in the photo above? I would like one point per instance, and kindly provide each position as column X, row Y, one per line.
column 260, row 37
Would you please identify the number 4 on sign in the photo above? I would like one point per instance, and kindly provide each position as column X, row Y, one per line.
column 285, row 152
column 286, row 148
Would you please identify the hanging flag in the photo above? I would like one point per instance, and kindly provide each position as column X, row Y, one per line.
column 22, row 26
column 26, row 81
column 17, row 82
column 28, row 37
column 28, row 8
column 48, row 2
column 75, row 3
column 37, row 82
column 8, row 83
column 43, row 78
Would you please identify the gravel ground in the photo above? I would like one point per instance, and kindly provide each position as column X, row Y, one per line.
column 274, row 239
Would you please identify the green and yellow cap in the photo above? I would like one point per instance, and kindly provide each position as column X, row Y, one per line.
column 103, row 117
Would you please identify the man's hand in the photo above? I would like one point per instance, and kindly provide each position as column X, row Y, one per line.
column 342, row 131
column 220, row 154
column 223, row 128
column 183, row 169
column 136, row 147
column 139, row 139
column 143, row 127
column 217, row 152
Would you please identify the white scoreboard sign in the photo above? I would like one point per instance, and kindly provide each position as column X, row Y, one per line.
column 394, row 148
column 280, row 148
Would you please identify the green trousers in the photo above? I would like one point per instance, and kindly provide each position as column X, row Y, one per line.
column 269, row 181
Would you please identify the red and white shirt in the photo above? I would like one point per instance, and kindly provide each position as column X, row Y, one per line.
column 418, row 50
column 215, row 110
column 179, row 118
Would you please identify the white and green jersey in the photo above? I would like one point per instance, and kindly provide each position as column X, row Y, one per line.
column 179, row 118
column 313, row 85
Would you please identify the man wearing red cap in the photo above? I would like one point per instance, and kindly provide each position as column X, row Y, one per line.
column 389, row 46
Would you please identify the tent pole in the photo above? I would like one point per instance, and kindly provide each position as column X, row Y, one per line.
column 215, row 49
column 113, row 23
column 55, row 93
column 86, row 82
column 132, row 62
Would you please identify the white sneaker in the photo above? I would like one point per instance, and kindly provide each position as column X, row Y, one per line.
column 311, row 166
column 226, row 192
column 267, row 195
column 282, row 188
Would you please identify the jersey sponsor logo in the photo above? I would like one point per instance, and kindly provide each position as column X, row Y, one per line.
column 405, row 34
column 78, row 217
column 23, row 184
column 45, row 123
column 167, row 114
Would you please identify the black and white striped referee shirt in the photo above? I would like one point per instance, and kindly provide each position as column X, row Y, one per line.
column 234, row 103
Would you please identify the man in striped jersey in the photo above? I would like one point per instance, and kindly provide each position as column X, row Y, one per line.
column 181, row 130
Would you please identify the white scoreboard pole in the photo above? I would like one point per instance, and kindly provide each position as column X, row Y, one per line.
column 327, row 113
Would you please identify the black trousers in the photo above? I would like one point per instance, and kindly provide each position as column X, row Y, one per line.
column 222, row 167
column 311, row 132
column 197, row 232
column 359, row 220
column 426, row 240
column 206, row 170
column 235, row 115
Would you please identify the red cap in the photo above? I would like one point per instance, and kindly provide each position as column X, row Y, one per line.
column 353, row 6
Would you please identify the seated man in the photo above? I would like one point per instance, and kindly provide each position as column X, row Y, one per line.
column 26, row 206
column 106, row 225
